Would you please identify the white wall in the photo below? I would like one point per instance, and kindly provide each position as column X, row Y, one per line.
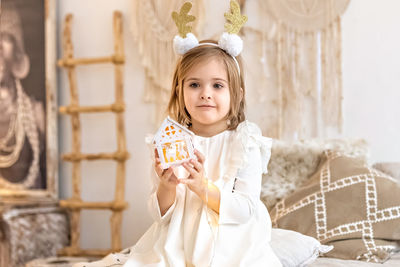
column 371, row 74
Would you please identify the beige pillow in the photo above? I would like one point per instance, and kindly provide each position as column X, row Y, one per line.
column 348, row 205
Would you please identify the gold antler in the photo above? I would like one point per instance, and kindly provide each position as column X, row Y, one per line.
column 183, row 18
column 235, row 18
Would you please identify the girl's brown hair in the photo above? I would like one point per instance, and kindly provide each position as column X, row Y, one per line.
column 201, row 53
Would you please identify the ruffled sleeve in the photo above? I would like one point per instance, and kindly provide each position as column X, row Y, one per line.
column 247, row 159
column 247, row 136
column 254, row 137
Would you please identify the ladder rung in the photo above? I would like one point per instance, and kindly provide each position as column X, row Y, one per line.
column 71, row 251
column 77, row 204
column 118, row 156
column 70, row 62
column 89, row 109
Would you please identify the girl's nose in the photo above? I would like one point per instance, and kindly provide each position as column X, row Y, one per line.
column 205, row 97
column 205, row 94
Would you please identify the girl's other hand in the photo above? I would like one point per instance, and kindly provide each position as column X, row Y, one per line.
column 196, row 181
column 168, row 180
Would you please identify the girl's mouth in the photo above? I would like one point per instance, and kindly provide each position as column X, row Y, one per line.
column 206, row 106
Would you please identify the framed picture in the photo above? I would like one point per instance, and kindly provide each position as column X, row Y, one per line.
column 28, row 121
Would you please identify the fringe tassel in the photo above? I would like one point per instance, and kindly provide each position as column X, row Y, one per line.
column 324, row 79
column 332, row 77
column 297, row 86
column 339, row 73
column 280, row 89
column 314, row 80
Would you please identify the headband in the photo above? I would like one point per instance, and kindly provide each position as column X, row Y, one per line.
column 229, row 41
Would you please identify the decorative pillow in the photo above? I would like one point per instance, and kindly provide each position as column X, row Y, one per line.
column 348, row 205
column 293, row 162
column 295, row 249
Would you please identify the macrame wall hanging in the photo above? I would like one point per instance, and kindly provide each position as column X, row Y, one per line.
column 300, row 56
column 154, row 30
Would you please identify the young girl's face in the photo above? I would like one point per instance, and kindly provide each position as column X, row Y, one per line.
column 207, row 95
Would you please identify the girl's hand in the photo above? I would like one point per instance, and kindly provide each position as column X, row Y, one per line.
column 168, row 180
column 166, row 191
column 196, row 181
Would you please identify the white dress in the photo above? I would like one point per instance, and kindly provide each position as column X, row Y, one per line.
column 190, row 234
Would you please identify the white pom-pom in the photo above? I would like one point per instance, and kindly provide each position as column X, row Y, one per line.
column 231, row 43
column 182, row 45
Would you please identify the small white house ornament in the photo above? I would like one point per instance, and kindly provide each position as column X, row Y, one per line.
column 173, row 143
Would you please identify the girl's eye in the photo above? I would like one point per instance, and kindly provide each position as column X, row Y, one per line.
column 194, row 85
column 218, row 86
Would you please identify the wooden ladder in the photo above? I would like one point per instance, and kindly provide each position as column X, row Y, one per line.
column 75, row 204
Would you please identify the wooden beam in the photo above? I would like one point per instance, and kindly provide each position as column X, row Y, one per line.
column 76, row 205
column 72, row 62
column 118, row 156
column 117, row 107
column 75, row 251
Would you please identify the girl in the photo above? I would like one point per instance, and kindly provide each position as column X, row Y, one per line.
column 215, row 216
